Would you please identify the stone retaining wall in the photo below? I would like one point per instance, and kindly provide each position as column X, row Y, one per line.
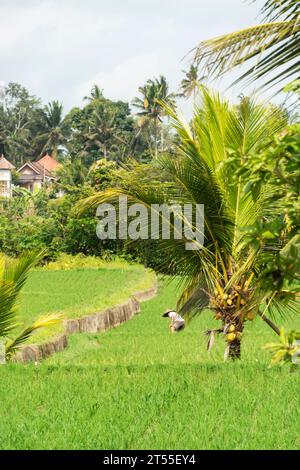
column 100, row 321
column 37, row 352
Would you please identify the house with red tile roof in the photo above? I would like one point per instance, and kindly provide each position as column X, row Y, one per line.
column 33, row 175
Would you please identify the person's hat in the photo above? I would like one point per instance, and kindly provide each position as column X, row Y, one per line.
column 166, row 314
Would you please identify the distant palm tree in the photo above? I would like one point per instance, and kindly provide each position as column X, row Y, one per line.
column 150, row 106
column 96, row 94
column 103, row 132
column 275, row 44
column 190, row 83
column 13, row 275
column 55, row 129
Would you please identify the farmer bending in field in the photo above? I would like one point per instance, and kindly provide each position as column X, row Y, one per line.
column 177, row 322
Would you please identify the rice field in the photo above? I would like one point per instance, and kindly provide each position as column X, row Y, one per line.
column 141, row 387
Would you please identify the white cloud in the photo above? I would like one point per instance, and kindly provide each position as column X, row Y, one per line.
column 123, row 80
column 59, row 48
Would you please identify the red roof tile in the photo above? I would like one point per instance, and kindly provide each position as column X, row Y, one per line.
column 5, row 164
column 49, row 163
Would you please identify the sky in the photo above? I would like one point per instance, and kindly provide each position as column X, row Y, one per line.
column 59, row 48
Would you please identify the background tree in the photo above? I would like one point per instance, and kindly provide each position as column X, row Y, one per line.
column 72, row 172
column 279, row 166
column 19, row 124
column 190, row 83
column 104, row 133
column 275, row 45
column 54, row 129
column 103, row 128
column 154, row 92
column 96, row 94
column 102, row 174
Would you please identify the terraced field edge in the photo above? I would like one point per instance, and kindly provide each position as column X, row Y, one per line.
column 94, row 323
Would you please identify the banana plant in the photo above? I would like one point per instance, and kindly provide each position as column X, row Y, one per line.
column 13, row 276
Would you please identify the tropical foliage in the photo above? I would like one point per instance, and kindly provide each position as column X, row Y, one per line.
column 34, row 222
column 279, row 166
column 13, row 275
column 287, row 350
column 101, row 128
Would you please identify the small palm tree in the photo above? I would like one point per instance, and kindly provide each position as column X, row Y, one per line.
column 13, row 275
column 154, row 92
column 226, row 275
column 96, row 94
column 275, row 44
column 191, row 82
column 55, row 129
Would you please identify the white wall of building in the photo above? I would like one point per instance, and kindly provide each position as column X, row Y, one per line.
column 5, row 183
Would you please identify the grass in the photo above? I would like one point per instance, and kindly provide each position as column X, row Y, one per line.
column 140, row 387
column 79, row 292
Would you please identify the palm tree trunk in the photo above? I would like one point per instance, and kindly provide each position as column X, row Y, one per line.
column 150, row 144
column 155, row 136
column 235, row 350
column 235, row 346
column 162, row 139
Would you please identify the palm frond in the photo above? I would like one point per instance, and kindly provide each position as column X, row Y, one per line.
column 194, row 297
column 8, row 319
column 187, row 262
column 280, row 9
column 274, row 44
column 284, row 304
column 14, row 274
column 15, row 344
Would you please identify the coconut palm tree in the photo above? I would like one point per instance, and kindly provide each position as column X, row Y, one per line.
column 13, row 275
column 104, row 133
column 225, row 275
column 190, row 83
column 275, row 44
column 154, row 92
column 55, row 128
column 96, row 94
